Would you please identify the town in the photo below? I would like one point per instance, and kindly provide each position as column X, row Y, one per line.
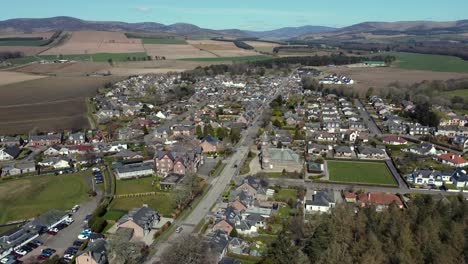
column 229, row 157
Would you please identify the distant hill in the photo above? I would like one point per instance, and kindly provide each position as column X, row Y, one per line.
column 290, row 32
column 34, row 25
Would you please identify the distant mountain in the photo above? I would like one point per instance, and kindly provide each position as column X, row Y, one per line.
column 290, row 32
column 34, row 25
column 403, row 26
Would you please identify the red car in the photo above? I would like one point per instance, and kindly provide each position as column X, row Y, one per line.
column 51, row 232
column 42, row 257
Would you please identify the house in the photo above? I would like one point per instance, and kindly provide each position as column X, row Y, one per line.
column 11, row 141
column 56, row 162
column 76, row 138
column 343, row 152
column 460, row 178
column 170, row 181
column 140, row 220
column 52, row 151
column 209, row 145
column 314, row 167
column 45, row 140
column 320, row 202
column 127, row 133
column 418, row 129
column 180, row 159
column 461, row 142
column 316, row 149
column 379, row 199
column 429, row 177
column 218, row 244
column 94, row 253
column 9, row 153
column 424, row 149
column 128, row 155
column 452, row 160
column 18, row 168
column 394, row 141
column 224, row 226
column 367, row 152
column 132, row 170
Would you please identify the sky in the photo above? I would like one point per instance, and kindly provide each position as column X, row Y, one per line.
column 241, row 14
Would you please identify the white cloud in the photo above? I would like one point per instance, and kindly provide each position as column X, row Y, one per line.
column 143, row 9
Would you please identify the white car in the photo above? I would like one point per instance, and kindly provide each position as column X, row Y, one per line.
column 83, row 236
column 68, row 256
column 21, row 252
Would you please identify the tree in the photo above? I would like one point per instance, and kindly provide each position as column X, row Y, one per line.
column 220, row 133
column 370, row 92
column 188, row 249
column 234, row 135
column 208, row 130
column 110, row 61
column 282, row 251
column 234, row 233
column 277, row 123
column 199, row 131
column 121, row 251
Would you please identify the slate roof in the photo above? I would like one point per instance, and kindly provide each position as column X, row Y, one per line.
column 321, row 198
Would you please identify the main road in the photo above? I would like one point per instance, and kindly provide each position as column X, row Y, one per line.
column 218, row 185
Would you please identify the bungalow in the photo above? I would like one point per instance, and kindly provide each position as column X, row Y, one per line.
column 379, row 199
column 170, row 181
column 316, row 149
column 9, row 153
column 424, row 149
column 133, row 170
column 452, row 160
column 395, row 141
column 140, row 220
column 52, row 151
column 366, row 152
column 11, row 141
column 56, row 162
column 18, row 168
column 343, row 152
column 429, row 177
column 320, row 202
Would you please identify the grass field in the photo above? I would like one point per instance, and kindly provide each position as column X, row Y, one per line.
column 462, row 93
column 28, row 197
column 25, row 43
column 161, row 203
column 413, row 61
column 231, row 59
column 97, row 57
column 285, row 194
column 136, row 185
column 359, row 172
column 163, row 41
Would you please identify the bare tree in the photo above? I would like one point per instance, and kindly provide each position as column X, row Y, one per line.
column 188, row 250
column 122, row 251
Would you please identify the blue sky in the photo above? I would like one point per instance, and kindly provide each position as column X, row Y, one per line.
column 242, row 14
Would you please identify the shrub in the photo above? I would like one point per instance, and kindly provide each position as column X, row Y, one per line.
column 99, row 225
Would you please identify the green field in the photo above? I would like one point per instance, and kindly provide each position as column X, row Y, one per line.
column 164, row 41
column 137, row 185
column 230, row 59
column 97, row 57
column 462, row 93
column 25, row 43
column 28, row 197
column 285, row 194
column 359, row 172
column 427, row 62
column 161, row 203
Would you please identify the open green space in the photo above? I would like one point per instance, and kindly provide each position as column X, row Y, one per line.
column 231, row 59
column 28, row 197
column 285, row 194
column 428, row 62
column 161, row 203
column 140, row 185
column 360, row 172
column 114, row 215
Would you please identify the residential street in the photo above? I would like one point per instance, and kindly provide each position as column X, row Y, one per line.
column 373, row 128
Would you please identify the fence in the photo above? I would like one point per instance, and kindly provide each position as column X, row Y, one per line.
column 130, row 195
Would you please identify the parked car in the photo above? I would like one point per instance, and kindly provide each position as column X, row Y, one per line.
column 21, row 252
column 178, row 229
column 78, row 243
column 75, row 208
column 87, row 218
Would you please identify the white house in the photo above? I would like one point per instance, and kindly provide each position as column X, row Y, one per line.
column 320, row 202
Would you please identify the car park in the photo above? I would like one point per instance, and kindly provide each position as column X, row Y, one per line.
column 10, row 259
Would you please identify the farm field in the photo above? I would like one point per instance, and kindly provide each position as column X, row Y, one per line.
column 163, row 41
column 15, row 77
column 383, row 76
column 359, row 172
column 47, row 104
column 27, row 197
column 161, row 203
column 230, row 59
column 91, row 42
column 137, row 185
column 24, row 43
column 79, row 68
column 262, row 46
column 439, row 63
column 221, row 48
column 97, row 57
column 171, row 51
column 27, row 51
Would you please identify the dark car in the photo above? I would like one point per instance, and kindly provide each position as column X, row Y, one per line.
column 78, row 243
column 32, row 245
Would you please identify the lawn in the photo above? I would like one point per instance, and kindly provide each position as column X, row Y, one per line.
column 285, row 194
column 359, row 172
column 28, row 197
column 462, row 93
column 164, row 41
column 231, row 59
column 137, row 185
column 439, row 63
column 114, row 215
column 161, row 203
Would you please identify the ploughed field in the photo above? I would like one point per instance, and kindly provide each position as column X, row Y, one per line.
column 47, row 104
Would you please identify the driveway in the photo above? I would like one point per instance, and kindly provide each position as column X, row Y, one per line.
column 208, row 165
